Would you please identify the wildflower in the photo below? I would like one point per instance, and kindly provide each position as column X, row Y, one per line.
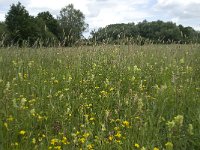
column 64, row 141
column 143, row 148
column 85, row 135
column 33, row 140
column 54, row 141
column 110, row 138
column 118, row 141
column 10, row 118
column 90, row 146
column 169, row 146
column 81, row 140
column 103, row 127
column 91, row 119
column 155, row 148
column 125, row 123
column 137, row 145
column 6, row 125
column 22, row 132
column 77, row 132
column 104, row 93
column 116, row 128
column 15, row 144
column 40, row 117
column 178, row 120
column 136, row 69
column 57, row 147
column 23, row 101
column 111, row 89
column 190, row 129
column 118, row 135
column 170, row 124
column 43, row 135
column 137, row 117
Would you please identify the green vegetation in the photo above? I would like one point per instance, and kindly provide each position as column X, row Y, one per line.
column 146, row 32
column 100, row 97
column 21, row 29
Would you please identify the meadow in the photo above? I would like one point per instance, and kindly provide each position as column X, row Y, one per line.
column 108, row 97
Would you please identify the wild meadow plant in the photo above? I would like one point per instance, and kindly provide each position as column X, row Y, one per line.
column 100, row 97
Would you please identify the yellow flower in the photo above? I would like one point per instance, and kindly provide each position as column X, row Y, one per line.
column 77, row 133
column 92, row 119
column 81, row 140
column 54, row 141
column 118, row 141
column 169, row 146
column 110, row 138
column 118, row 135
column 22, row 132
column 6, row 125
column 111, row 89
column 155, row 148
column 57, row 147
column 10, row 118
column 137, row 145
column 64, row 141
column 90, row 146
column 85, row 135
column 125, row 123
column 104, row 93
column 116, row 128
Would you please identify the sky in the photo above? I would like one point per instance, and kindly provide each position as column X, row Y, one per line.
column 99, row 13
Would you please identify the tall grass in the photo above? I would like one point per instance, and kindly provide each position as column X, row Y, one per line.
column 100, row 97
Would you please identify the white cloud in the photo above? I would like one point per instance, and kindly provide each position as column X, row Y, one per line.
column 98, row 12
column 103, row 12
column 183, row 9
column 184, row 12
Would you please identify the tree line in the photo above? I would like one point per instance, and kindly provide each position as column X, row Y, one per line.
column 146, row 32
column 22, row 29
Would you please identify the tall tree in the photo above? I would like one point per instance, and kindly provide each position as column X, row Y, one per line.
column 18, row 22
column 49, row 22
column 72, row 21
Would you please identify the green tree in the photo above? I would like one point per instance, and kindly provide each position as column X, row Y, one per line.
column 49, row 22
column 18, row 23
column 72, row 22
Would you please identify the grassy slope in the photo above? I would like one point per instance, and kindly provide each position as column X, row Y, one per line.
column 102, row 97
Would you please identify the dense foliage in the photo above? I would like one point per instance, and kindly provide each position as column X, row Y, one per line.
column 73, row 24
column 156, row 32
column 22, row 29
